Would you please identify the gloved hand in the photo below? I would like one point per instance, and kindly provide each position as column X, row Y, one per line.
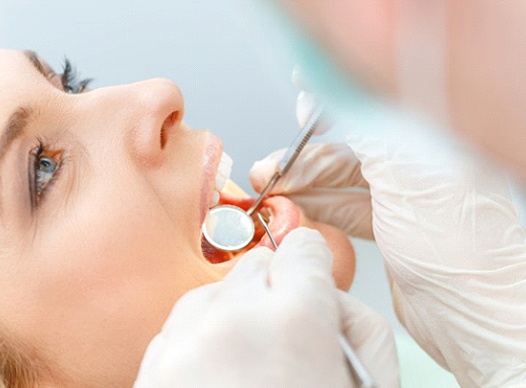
column 455, row 253
column 273, row 321
column 326, row 182
column 315, row 181
column 372, row 339
column 454, row 248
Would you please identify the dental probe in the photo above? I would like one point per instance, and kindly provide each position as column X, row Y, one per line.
column 290, row 155
column 263, row 223
column 230, row 228
column 358, row 370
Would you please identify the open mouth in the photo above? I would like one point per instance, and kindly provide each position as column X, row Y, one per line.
column 282, row 216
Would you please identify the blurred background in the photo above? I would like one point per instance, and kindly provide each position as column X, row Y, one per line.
column 234, row 70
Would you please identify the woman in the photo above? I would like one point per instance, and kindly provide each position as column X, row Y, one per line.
column 102, row 195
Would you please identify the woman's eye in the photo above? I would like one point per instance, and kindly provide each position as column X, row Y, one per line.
column 44, row 174
column 46, row 166
column 44, row 169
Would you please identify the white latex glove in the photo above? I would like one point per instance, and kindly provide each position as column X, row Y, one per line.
column 451, row 238
column 456, row 255
column 273, row 321
column 326, row 182
column 371, row 336
column 315, row 181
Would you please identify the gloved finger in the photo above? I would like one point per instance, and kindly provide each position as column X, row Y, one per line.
column 306, row 103
column 251, row 269
column 152, row 358
column 371, row 336
column 190, row 307
column 182, row 321
column 343, row 209
column 329, row 165
column 298, row 79
column 301, row 262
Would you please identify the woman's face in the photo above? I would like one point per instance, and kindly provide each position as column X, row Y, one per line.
column 102, row 196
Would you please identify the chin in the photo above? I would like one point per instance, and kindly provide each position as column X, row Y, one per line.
column 283, row 216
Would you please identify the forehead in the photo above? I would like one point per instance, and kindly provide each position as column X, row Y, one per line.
column 13, row 63
column 16, row 70
column 19, row 80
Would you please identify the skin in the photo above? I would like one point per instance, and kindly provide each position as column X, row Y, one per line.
column 485, row 42
column 89, row 275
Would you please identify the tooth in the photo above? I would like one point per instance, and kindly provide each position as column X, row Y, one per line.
column 223, row 171
column 227, row 159
column 220, row 181
column 215, row 199
column 225, row 167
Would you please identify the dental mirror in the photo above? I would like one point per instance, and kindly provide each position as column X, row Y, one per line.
column 230, row 228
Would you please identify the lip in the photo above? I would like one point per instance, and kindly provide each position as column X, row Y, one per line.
column 212, row 157
column 284, row 216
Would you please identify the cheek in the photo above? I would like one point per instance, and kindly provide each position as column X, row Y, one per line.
column 344, row 264
column 117, row 253
column 125, row 229
column 112, row 271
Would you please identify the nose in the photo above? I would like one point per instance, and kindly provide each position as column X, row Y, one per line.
column 146, row 114
column 159, row 111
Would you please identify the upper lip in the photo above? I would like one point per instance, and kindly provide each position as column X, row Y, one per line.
column 212, row 158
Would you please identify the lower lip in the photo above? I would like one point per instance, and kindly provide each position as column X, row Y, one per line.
column 212, row 157
column 286, row 216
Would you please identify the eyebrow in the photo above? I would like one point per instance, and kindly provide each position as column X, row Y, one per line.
column 33, row 58
column 16, row 125
column 15, row 128
column 20, row 118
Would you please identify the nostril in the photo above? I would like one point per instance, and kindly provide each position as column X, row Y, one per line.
column 167, row 127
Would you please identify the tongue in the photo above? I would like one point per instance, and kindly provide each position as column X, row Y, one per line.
column 284, row 216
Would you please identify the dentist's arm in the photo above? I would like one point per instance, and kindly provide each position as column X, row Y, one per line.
column 451, row 238
column 456, row 255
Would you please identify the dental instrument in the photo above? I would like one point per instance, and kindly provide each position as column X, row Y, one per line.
column 358, row 370
column 230, row 228
column 263, row 223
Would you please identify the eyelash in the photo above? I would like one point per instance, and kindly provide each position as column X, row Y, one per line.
column 37, row 178
column 37, row 186
column 70, row 81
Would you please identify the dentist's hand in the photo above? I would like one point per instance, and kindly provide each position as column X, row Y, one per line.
column 455, row 253
column 273, row 321
column 454, row 248
column 326, row 182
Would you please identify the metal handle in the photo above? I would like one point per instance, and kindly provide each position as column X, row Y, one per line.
column 300, row 141
column 359, row 372
column 290, row 155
